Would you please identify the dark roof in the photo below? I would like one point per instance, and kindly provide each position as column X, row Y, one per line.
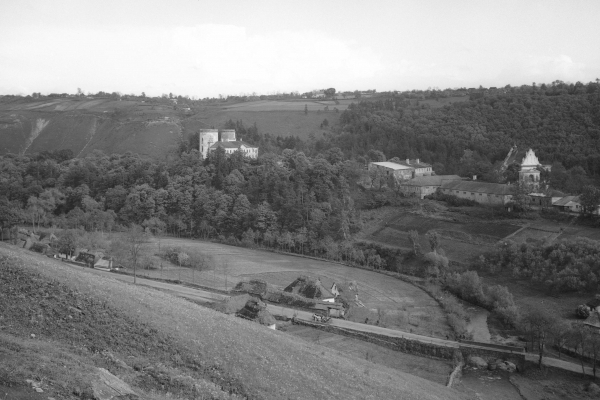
column 309, row 287
column 565, row 200
column 478, row 187
column 232, row 145
column 434, row 180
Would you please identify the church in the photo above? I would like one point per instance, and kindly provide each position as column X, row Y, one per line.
column 530, row 166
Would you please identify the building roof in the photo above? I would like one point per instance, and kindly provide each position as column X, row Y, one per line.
column 434, row 180
column 416, row 163
column 478, row 187
column 565, row 200
column 391, row 165
column 232, row 145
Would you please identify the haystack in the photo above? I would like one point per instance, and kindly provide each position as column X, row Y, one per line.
column 255, row 310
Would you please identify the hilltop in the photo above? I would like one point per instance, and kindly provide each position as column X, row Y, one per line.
column 149, row 127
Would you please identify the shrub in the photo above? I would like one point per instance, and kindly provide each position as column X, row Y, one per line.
column 582, row 311
column 452, row 200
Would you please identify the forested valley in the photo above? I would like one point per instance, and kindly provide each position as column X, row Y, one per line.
column 560, row 121
column 300, row 194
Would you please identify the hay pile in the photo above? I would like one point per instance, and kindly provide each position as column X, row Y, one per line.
column 255, row 310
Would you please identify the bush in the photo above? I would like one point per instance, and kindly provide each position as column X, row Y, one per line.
column 452, row 200
column 582, row 311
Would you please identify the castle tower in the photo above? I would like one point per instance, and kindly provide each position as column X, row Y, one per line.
column 207, row 137
column 227, row 135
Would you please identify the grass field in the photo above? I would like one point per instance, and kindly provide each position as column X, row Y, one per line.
column 279, row 105
column 395, row 303
column 277, row 123
column 434, row 370
column 163, row 346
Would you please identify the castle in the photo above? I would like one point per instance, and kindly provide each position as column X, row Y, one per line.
column 209, row 141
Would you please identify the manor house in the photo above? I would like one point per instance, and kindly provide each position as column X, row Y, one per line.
column 212, row 139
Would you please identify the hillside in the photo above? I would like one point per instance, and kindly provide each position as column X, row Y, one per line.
column 62, row 323
column 114, row 126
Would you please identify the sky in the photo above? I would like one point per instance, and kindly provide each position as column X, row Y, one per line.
column 209, row 48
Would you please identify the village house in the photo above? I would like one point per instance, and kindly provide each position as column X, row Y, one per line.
column 422, row 186
column 571, row 204
column 481, row 192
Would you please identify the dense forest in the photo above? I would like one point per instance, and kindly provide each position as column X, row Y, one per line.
column 290, row 201
column 560, row 121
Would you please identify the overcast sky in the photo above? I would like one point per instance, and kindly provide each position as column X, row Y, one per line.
column 206, row 48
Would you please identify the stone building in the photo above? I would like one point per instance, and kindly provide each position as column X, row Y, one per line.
column 398, row 171
column 207, row 137
column 211, row 139
column 481, row 192
column 422, row 186
column 403, row 171
column 419, row 168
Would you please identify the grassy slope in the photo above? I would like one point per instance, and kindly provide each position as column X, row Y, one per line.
column 119, row 126
column 165, row 337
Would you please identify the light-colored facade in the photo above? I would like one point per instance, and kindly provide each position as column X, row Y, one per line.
column 207, row 138
column 398, row 171
column 419, row 168
column 530, row 172
column 209, row 141
column 481, row 192
column 231, row 147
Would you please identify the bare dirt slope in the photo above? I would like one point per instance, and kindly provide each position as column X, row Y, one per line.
column 163, row 346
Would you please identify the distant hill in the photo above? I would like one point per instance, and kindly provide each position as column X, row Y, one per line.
column 114, row 126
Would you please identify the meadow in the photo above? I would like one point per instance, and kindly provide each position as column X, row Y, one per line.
column 393, row 302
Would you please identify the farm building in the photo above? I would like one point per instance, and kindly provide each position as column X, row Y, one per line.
column 421, row 186
column 568, row 204
column 571, row 204
column 481, row 192
column 310, row 288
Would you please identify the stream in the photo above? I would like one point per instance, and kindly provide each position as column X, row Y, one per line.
column 477, row 324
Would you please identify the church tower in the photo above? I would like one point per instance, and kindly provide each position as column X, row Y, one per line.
column 530, row 172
